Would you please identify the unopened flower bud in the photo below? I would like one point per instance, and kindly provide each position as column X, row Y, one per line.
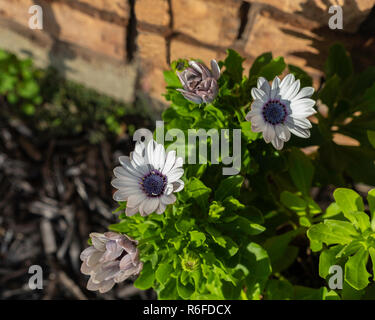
column 200, row 84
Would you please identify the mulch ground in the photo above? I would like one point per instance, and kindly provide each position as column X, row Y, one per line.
column 53, row 193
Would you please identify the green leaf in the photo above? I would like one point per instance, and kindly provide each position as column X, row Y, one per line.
column 371, row 204
column 185, row 291
column 301, row 170
column 338, row 62
column 230, row 186
column 349, row 201
column 198, row 191
column 292, row 201
column 169, row 292
column 332, row 210
column 184, row 224
column 198, row 238
column 259, row 63
column 233, row 65
column 28, row 89
column 248, row 133
column 330, row 91
column 330, row 232
column 215, row 210
column 247, row 226
column 371, row 137
column 279, row 290
column 163, row 272
column 216, row 236
column 372, row 255
column 146, row 278
column 273, row 69
column 171, row 79
column 327, row 259
column 355, row 270
column 278, row 249
column 257, row 261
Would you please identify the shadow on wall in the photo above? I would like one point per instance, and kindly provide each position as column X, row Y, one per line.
column 361, row 44
column 60, row 51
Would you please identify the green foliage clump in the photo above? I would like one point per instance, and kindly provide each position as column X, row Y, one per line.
column 246, row 236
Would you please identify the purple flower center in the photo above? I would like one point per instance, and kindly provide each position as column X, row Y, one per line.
column 154, row 183
column 274, row 112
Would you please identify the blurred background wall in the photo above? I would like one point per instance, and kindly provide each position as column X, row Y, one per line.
column 116, row 46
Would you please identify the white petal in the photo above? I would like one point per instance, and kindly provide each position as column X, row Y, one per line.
column 302, row 104
column 277, row 143
column 94, row 258
column 215, row 69
column 161, row 208
column 178, row 185
column 150, row 205
column 98, row 240
column 291, row 91
column 300, row 122
column 179, row 163
column 125, row 182
column 306, row 92
column 85, row 269
column 175, row 174
column 159, row 156
column 287, row 81
column 195, row 66
column 131, row 211
column 149, row 156
column 105, row 286
column 136, row 199
column 263, row 84
column 282, row 132
column 87, row 252
column 269, row 133
column 169, row 161
column 137, row 159
column 92, row 286
column 257, row 123
column 168, row 199
column 299, row 132
column 275, row 83
column 259, row 94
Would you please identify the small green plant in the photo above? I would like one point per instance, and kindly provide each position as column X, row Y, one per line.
column 246, row 236
column 19, row 83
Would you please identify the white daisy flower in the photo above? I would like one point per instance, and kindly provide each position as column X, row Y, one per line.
column 281, row 109
column 148, row 178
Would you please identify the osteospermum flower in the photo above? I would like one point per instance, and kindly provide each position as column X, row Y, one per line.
column 281, row 109
column 200, row 83
column 111, row 259
column 148, row 178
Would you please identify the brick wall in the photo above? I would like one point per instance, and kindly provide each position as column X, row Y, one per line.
column 112, row 45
